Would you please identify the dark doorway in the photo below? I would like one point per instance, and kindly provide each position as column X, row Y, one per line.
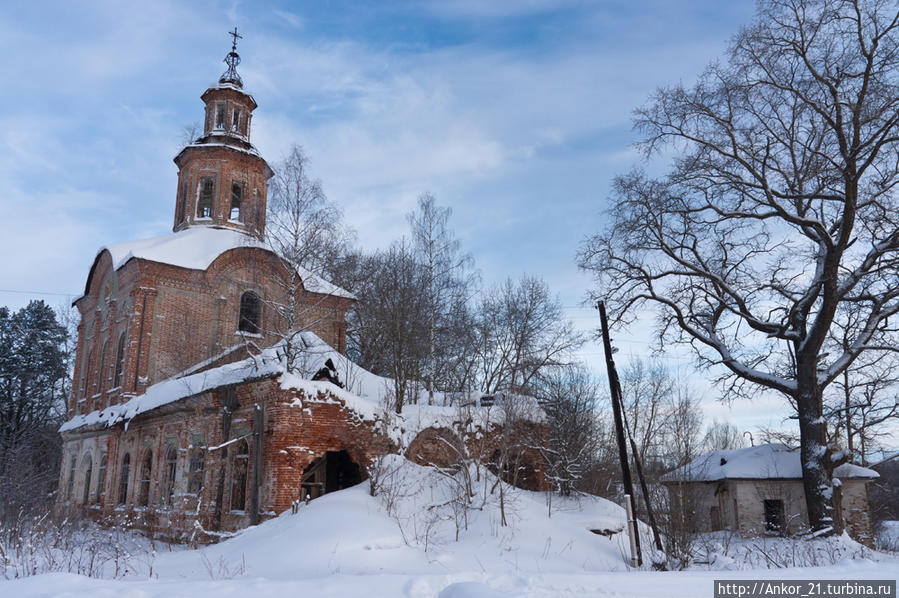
column 774, row 516
column 334, row 470
column 715, row 518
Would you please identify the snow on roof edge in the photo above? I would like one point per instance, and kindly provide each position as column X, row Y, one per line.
column 765, row 461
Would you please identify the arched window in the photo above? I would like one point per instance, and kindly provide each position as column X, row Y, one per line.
column 101, row 479
column 119, row 362
column 236, row 200
column 88, row 468
column 123, row 478
column 101, row 372
column 171, row 468
column 205, row 192
column 197, row 468
column 146, row 470
column 250, row 313
column 239, row 469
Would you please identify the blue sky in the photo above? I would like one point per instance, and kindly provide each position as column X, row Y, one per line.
column 516, row 114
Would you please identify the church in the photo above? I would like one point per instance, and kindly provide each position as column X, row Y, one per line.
column 184, row 418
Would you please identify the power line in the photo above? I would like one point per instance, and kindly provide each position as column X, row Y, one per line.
column 20, row 292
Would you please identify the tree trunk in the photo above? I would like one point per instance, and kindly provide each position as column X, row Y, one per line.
column 813, row 452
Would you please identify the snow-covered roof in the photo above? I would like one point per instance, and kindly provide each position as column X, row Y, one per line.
column 197, row 247
column 364, row 394
column 766, row 461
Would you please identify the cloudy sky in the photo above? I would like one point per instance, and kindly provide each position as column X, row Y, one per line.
column 514, row 113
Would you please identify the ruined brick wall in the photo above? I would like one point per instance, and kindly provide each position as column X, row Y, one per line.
column 296, row 430
column 442, row 446
column 857, row 511
column 306, row 427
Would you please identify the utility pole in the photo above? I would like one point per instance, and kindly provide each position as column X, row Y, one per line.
column 615, row 391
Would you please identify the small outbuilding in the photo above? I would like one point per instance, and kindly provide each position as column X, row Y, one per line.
column 758, row 491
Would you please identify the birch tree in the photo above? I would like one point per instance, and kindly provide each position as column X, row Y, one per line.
column 774, row 234
column 448, row 278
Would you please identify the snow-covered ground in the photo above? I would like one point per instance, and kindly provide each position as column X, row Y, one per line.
column 403, row 542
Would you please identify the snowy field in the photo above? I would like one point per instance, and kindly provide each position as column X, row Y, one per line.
column 403, row 542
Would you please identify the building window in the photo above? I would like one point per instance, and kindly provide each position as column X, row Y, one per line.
column 88, row 469
column 235, row 120
column 236, row 199
column 171, row 468
column 204, row 197
column 70, row 489
column 146, row 469
column 774, row 516
column 100, row 372
column 250, row 313
column 119, row 362
column 101, row 479
column 239, row 469
column 220, row 115
column 197, row 467
column 123, row 478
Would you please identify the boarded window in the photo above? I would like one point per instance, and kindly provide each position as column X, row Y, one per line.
column 250, row 313
column 239, row 469
column 101, row 479
column 88, row 469
column 123, row 478
column 205, row 191
column 119, row 362
column 220, row 115
column 171, row 469
column 236, row 200
column 146, row 470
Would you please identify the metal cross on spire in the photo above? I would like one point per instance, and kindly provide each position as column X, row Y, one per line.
column 232, row 60
column 236, row 37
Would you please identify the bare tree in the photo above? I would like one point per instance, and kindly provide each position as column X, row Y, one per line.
column 646, row 390
column 307, row 233
column 722, row 436
column 863, row 405
column 569, row 395
column 389, row 333
column 520, row 331
column 775, row 233
column 448, row 278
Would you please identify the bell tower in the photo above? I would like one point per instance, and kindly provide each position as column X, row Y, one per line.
column 222, row 179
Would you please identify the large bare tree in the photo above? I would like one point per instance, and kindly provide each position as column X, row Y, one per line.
column 773, row 238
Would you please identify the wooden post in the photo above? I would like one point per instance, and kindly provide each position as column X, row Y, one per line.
column 615, row 391
column 258, row 418
column 229, row 405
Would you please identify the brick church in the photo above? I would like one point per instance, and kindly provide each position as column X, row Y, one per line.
column 183, row 417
